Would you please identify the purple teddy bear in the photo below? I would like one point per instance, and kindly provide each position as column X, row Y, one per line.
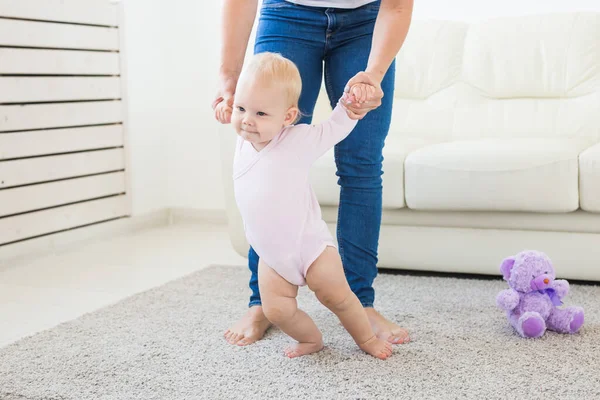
column 534, row 294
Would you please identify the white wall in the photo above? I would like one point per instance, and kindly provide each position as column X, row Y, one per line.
column 173, row 55
column 147, row 118
column 172, row 61
column 194, row 179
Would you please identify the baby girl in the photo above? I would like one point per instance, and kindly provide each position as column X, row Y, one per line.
column 282, row 218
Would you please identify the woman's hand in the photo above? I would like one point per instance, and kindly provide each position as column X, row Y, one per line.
column 223, row 103
column 357, row 109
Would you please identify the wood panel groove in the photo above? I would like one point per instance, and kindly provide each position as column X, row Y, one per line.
column 52, row 168
column 61, row 128
column 58, row 62
column 59, row 22
column 62, row 179
column 92, row 12
column 34, row 103
column 35, row 34
column 69, row 114
column 57, row 48
column 58, row 219
column 64, row 153
column 44, row 196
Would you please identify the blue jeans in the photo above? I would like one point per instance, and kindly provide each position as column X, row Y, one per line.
column 338, row 41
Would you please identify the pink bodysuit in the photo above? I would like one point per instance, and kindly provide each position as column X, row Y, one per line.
column 282, row 218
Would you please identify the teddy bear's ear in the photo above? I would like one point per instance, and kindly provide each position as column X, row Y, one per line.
column 506, row 266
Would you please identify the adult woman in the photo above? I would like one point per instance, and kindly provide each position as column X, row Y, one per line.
column 350, row 41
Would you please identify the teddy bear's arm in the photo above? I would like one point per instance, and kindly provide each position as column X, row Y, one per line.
column 508, row 299
column 562, row 287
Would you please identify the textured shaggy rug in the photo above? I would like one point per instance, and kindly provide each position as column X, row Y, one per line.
column 166, row 343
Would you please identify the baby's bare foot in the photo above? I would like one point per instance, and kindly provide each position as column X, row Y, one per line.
column 249, row 329
column 377, row 348
column 385, row 329
column 302, row 349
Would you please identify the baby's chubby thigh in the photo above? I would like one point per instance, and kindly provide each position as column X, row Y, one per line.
column 278, row 295
column 326, row 278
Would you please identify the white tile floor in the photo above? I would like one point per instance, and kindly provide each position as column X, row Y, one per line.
column 38, row 294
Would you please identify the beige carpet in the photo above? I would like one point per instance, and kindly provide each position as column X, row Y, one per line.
column 166, row 344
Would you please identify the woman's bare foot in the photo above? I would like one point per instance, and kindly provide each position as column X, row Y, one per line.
column 385, row 329
column 249, row 329
column 303, row 349
column 377, row 348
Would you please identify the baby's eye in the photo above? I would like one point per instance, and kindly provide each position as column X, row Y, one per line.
column 261, row 114
column 241, row 109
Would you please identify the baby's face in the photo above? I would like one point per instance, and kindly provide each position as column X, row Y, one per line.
column 260, row 111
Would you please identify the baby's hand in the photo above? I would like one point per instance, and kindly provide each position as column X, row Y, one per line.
column 223, row 112
column 360, row 92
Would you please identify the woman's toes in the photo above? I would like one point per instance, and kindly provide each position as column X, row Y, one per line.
column 290, row 353
column 244, row 341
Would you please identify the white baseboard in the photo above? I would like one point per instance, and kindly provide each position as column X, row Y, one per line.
column 32, row 248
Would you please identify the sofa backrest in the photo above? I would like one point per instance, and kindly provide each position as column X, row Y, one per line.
column 530, row 76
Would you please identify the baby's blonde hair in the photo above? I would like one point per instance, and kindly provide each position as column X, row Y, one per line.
column 277, row 70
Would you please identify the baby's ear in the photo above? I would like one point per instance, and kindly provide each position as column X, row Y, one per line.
column 291, row 116
column 506, row 267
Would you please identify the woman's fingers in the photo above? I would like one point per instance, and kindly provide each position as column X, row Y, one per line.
column 216, row 102
column 361, row 77
column 223, row 113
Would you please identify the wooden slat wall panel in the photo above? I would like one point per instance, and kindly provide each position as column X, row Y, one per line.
column 38, row 223
column 62, row 139
column 40, row 89
column 97, row 12
column 43, row 169
column 52, row 35
column 40, row 116
column 58, row 62
column 54, row 141
column 35, row 197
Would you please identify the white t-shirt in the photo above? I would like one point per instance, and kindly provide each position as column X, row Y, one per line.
column 332, row 3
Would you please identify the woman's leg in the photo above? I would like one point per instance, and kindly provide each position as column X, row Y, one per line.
column 359, row 160
column 297, row 33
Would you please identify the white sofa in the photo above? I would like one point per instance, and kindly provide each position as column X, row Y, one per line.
column 494, row 148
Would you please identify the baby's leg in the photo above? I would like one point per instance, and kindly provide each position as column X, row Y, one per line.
column 280, row 307
column 326, row 278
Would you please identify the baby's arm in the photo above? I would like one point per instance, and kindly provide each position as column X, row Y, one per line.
column 338, row 126
column 319, row 138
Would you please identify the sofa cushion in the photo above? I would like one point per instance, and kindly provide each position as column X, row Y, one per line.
column 430, row 59
column 538, row 175
column 589, row 179
column 543, row 56
column 324, row 180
